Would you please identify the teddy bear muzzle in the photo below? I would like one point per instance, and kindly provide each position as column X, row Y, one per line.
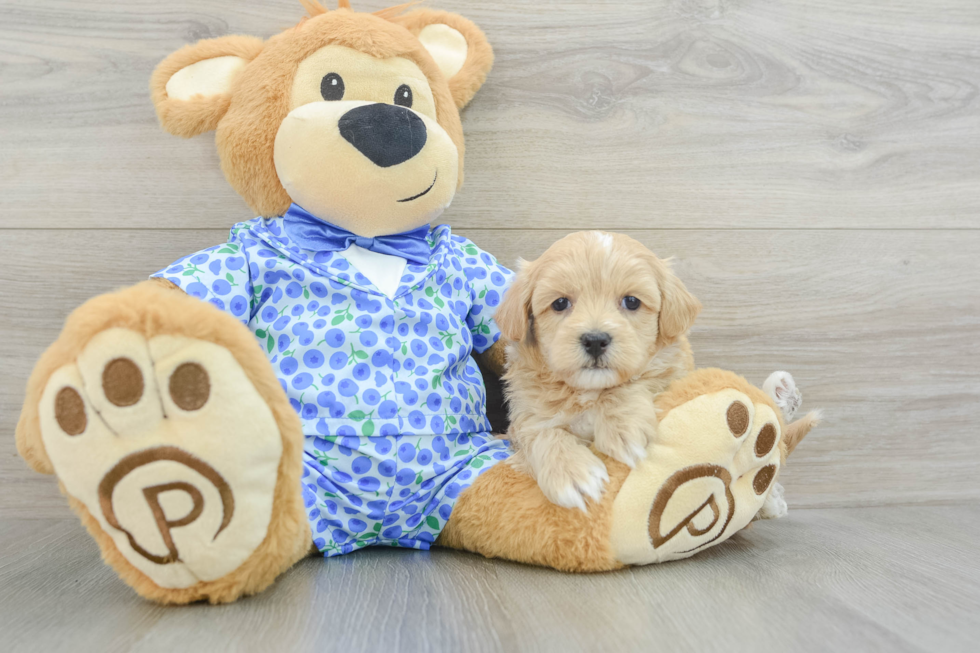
column 369, row 167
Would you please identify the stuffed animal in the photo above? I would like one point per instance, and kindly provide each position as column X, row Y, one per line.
column 309, row 385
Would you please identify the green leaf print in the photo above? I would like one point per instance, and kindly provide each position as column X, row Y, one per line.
column 432, row 522
column 476, row 462
column 260, row 333
column 229, row 278
column 483, row 293
column 356, row 415
column 368, row 429
column 306, row 292
column 377, row 528
column 270, row 344
column 337, row 320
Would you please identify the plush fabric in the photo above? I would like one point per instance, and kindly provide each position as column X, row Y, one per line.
column 193, row 485
column 151, row 311
column 202, row 112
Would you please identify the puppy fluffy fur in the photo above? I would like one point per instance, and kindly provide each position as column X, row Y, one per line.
column 562, row 397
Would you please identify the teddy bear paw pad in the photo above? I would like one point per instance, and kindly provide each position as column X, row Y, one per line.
column 169, row 447
column 709, row 471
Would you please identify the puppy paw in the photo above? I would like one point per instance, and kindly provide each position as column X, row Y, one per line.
column 625, row 441
column 571, row 475
column 782, row 388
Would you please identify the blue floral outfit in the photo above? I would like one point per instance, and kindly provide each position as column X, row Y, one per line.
column 391, row 401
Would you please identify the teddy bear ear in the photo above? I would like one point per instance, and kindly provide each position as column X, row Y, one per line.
column 191, row 89
column 457, row 45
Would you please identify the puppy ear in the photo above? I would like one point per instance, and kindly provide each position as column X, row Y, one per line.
column 457, row 45
column 678, row 307
column 513, row 314
column 191, row 89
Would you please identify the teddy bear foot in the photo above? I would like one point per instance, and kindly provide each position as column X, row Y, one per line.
column 175, row 463
column 709, row 472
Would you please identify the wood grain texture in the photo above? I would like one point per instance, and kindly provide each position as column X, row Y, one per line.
column 879, row 329
column 895, row 579
column 630, row 113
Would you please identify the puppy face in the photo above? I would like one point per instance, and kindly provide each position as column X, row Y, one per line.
column 597, row 307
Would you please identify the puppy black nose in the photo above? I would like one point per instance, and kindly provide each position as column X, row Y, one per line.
column 385, row 133
column 595, row 343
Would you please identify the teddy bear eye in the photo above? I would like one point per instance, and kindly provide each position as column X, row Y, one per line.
column 560, row 304
column 332, row 87
column 403, row 96
column 631, row 303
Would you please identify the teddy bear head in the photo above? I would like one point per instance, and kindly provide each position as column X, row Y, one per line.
column 352, row 116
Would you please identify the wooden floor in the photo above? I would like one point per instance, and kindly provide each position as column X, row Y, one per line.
column 860, row 579
column 813, row 168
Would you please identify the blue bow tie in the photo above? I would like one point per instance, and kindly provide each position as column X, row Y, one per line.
column 312, row 233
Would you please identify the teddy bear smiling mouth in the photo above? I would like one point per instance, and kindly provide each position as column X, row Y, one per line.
column 415, row 197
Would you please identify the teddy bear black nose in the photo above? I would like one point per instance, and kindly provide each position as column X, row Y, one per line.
column 384, row 133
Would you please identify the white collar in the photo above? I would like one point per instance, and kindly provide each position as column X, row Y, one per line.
column 384, row 270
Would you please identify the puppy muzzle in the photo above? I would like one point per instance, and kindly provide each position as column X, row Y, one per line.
column 595, row 344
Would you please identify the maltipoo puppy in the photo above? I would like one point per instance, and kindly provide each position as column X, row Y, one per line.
column 597, row 327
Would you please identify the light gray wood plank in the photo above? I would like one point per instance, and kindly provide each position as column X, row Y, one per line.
column 385, row 599
column 897, row 579
column 625, row 113
column 56, row 594
column 879, row 329
column 836, row 580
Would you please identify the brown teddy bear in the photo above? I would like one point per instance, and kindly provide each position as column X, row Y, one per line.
column 310, row 385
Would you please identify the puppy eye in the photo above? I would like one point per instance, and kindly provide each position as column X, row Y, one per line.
column 403, row 96
column 631, row 303
column 560, row 304
column 332, row 87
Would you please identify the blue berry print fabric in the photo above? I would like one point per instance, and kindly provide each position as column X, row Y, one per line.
column 391, row 401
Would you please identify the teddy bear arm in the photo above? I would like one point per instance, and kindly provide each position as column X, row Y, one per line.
column 494, row 358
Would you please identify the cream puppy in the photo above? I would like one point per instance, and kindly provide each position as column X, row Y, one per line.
column 597, row 327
